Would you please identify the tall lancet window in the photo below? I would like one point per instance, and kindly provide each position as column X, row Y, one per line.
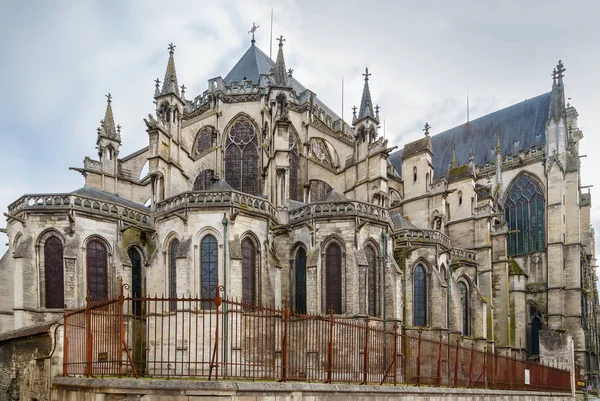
column 54, row 273
column 524, row 211
column 535, row 326
column 173, row 251
column 300, row 281
column 419, row 296
column 97, row 278
column 248, row 272
column 241, row 157
column 372, row 280
column 464, row 304
column 209, row 269
column 136, row 279
column 294, row 193
column 333, row 278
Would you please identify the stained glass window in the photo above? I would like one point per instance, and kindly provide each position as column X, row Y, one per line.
column 464, row 303
column 419, row 296
column 333, row 278
column 300, row 281
column 209, row 259
column 204, row 140
column 241, row 158
column 97, row 280
column 248, row 272
column 319, row 190
column 372, row 280
column 173, row 251
column 54, row 273
column 524, row 211
column 294, row 193
column 136, row 279
column 203, row 180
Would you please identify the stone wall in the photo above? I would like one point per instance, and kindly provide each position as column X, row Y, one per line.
column 67, row 389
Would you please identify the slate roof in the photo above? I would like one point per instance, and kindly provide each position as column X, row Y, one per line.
column 254, row 63
column 524, row 122
column 105, row 196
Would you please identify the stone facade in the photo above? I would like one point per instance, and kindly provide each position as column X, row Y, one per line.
column 257, row 186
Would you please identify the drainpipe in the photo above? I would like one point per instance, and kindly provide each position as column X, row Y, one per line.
column 383, row 268
column 224, row 221
column 448, row 309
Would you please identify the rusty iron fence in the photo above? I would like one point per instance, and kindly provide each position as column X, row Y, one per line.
column 217, row 338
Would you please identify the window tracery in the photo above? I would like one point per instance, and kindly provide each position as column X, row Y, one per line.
column 173, row 251
column 419, row 296
column 524, row 212
column 136, row 279
column 97, row 280
column 54, row 273
column 204, row 180
column 464, row 303
column 241, row 158
column 293, row 169
column 372, row 280
column 319, row 190
column 248, row 272
column 333, row 278
column 205, row 139
column 300, row 281
column 209, row 280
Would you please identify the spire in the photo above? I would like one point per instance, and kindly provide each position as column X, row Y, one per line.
column 170, row 81
column 557, row 99
column 453, row 162
column 279, row 72
column 107, row 126
column 157, row 87
column 354, row 114
column 366, row 105
column 498, row 146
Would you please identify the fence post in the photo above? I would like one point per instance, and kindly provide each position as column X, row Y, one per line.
column 439, row 362
column 419, row 359
column 471, row 365
column 215, row 358
column 395, row 353
column 65, row 342
column 330, row 347
column 121, row 328
column 366, row 352
column 456, row 363
column 88, row 335
column 286, row 317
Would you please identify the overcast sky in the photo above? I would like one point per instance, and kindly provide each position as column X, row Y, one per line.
column 59, row 59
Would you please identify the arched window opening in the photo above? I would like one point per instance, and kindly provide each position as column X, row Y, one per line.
column 415, row 174
column 464, row 304
column 300, row 281
column 294, row 193
column 535, row 322
column 372, row 281
column 209, row 269
column 241, row 158
column 136, row 280
column 524, row 212
column 459, row 198
column 173, row 251
column 54, row 273
column 204, row 140
column 248, row 272
column 333, row 278
column 97, row 279
column 204, row 180
column 319, row 190
column 419, row 296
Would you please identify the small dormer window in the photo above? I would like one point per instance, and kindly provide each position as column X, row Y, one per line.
column 414, row 174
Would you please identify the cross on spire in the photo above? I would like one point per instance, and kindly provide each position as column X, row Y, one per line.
column 108, row 97
column 172, row 48
column 281, row 40
column 290, row 71
column 366, row 74
column 253, row 29
column 426, row 129
column 157, row 82
column 354, row 110
column 560, row 69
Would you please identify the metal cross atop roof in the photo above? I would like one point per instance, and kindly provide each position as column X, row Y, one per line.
column 366, row 74
column 427, row 128
column 172, row 48
column 253, row 29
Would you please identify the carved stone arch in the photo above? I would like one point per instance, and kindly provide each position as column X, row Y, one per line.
column 50, row 246
column 98, row 267
column 235, row 119
column 535, row 324
column 318, row 190
column 206, row 138
column 251, row 268
column 298, row 278
column 242, row 154
column 528, row 174
column 333, row 262
column 167, row 241
column 136, row 261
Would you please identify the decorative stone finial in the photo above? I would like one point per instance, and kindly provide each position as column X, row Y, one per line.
column 427, row 128
column 366, row 74
column 172, row 48
column 453, row 162
column 183, row 88
column 498, row 146
column 108, row 98
column 281, row 40
column 471, row 156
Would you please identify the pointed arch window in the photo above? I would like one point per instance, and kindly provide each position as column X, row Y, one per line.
column 535, row 326
column 372, row 280
column 248, row 272
column 173, row 251
column 419, row 296
column 319, row 190
column 464, row 304
column 204, row 180
column 300, row 281
column 294, row 193
column 54, row 273
column 209, row 260
column 524, row 212
column 204, row 140
column 241, row 157
column 136, row 279
column 97, row 280
column 333, row 278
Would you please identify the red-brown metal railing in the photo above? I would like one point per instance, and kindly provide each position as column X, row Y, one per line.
column 224, row 338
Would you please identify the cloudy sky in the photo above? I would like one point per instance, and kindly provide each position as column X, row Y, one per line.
column 59, row 59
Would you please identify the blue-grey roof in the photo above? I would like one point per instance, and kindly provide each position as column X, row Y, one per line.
column 255, row 63
column 94, row 193
column 521, row 126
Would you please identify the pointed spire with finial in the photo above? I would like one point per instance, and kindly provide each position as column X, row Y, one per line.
column 280, row 74
column 366, row 105
column 108, row 124
column 156, row 87
column 557, row 98
column 170, row 81
column 498, row 146
column 453, row 162
column 354, row 114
